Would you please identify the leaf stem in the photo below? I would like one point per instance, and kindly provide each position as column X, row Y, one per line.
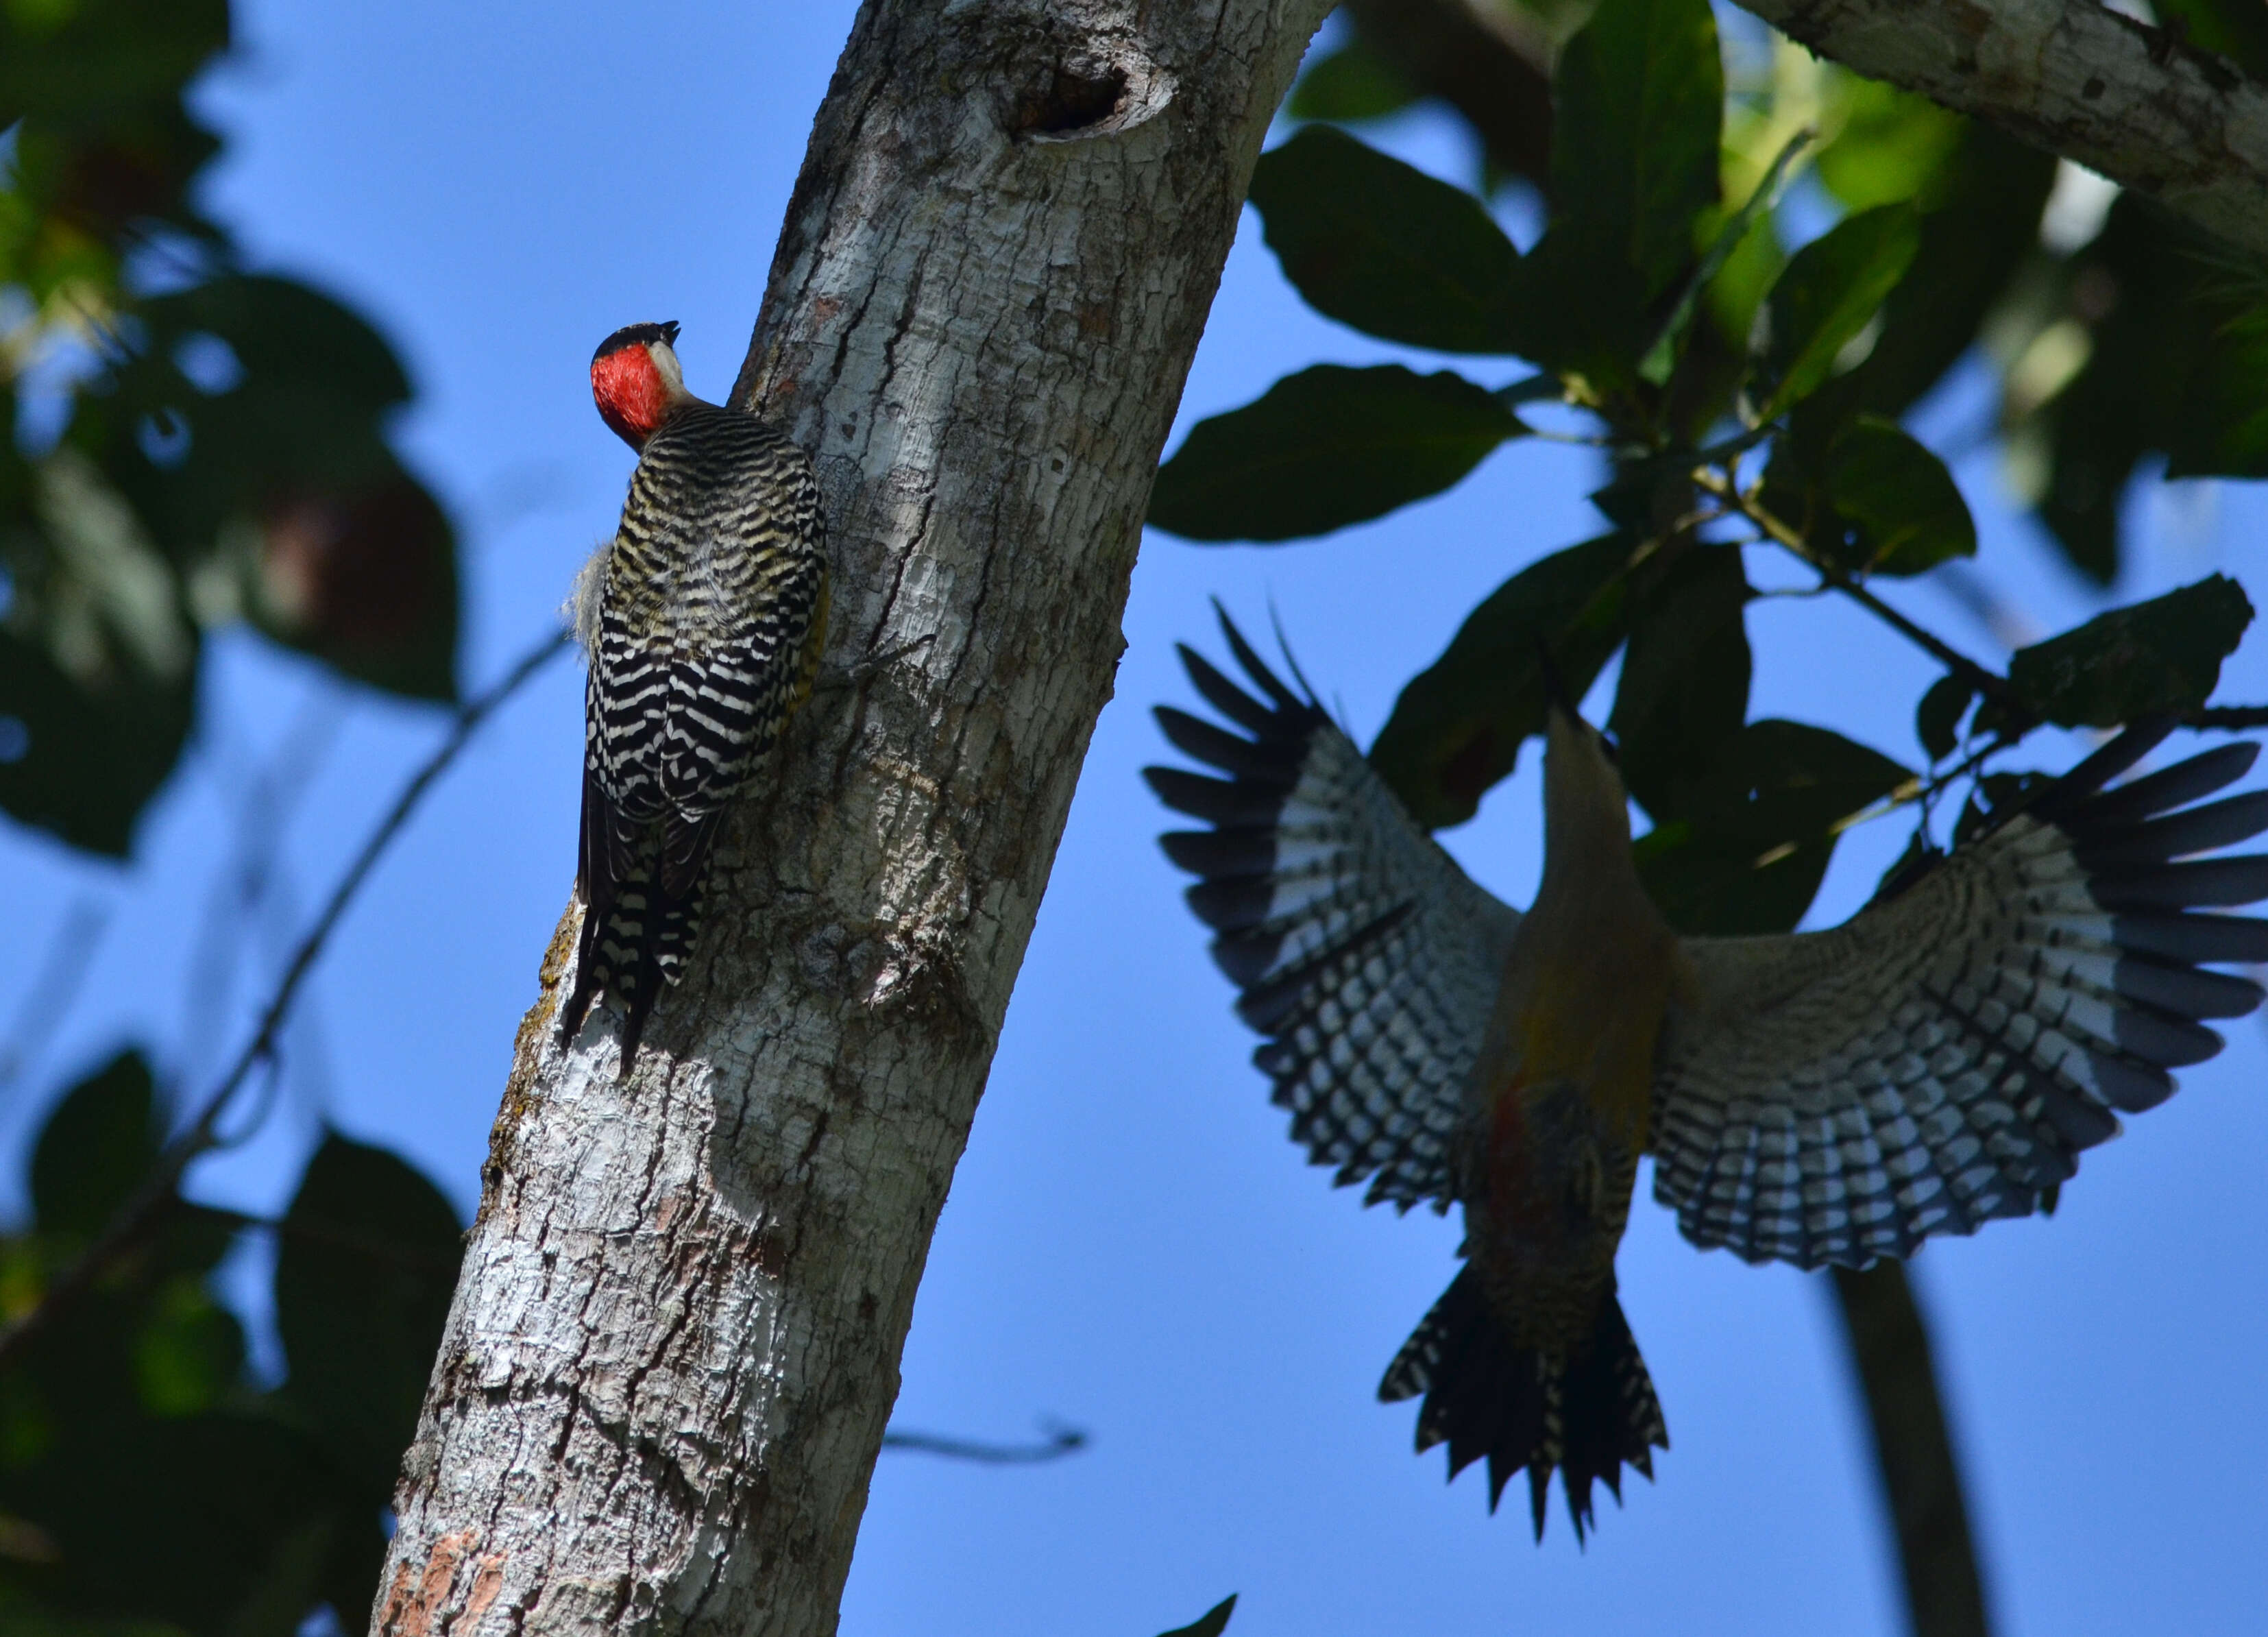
column 1989, row 683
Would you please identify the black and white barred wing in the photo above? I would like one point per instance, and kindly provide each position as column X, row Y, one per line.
column 1365, row 956
column 1941, row 1058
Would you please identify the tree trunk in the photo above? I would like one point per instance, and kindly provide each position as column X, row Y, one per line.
column 675, row 1341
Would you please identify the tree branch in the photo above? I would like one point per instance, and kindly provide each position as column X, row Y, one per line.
column 1058, row 1444
column 2137, row 104
column 1913, row 1451
column 2233, row 719
column 1983, row 678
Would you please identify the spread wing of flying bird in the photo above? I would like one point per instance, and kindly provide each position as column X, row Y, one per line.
column 1936, row 1061
column 1367, row 957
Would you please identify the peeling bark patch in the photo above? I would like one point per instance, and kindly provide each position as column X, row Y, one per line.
column 409, row 1612
column 488, row 1584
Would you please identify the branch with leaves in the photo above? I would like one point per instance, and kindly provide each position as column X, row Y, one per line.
column 2177, row 112
column 1744, row 392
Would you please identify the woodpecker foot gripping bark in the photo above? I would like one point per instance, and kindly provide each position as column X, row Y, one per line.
column 704, row 625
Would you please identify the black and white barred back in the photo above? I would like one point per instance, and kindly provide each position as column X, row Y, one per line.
column 710, row 620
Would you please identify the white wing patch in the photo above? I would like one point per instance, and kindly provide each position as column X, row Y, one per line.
column 1368, row 958
column 1941, row 1059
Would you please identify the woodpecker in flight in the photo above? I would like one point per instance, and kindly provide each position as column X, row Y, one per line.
column 1837, row 1096
column 704, row 617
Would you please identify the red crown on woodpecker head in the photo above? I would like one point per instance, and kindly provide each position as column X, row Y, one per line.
column 635, row 379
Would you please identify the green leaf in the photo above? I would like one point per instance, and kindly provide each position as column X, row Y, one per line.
column 2146, row 323
column 2236, row 29
column 1726, row 237
column 2164, row 654
column 1890, row 145
column 290, row 489
column 365, row 1265
column 1937, row 719
column 77, row 62
column 82, row 761
column 1457, row 728
column 1980, row 223
column 190, row 1352
column 1212, row 1622
column 1639, row 99
column 1831, row 292
column 1353, row 83
column 2221, row 423
column 284, row 331
column 197, row 1520
column 1324, row 448
column 1903, row 511
column 1751, row 858
column 1379, row 245
column 1684, row 686
column 96, row 1149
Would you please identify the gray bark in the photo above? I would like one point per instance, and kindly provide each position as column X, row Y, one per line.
column 675, row 1341
column 2135, row 103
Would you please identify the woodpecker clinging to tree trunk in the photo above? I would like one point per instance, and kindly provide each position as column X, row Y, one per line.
column 1935, row 1062
column 704, row 617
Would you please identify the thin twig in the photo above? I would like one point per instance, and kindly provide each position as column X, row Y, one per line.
column 2228, row 717
column 157, row 1190
column 1989, row 683
column 1061, row 1441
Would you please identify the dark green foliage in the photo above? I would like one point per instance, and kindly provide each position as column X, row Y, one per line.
column 2221, row 425
column 95, row 1149
column 1353, row 83
column 1900, row 510
column 1637, row 102
column 1684, row 684
column 1374, row 243
column 1937, row 719
column 2164, row 654
column 1458, row 726
column 2145, row 330
column 1324, row 448
column 1749, row 854
column 2235, row 29
column 1637, row 99
column 1829, row 293
column 193, row 1521
column 269, row 492
column 88, row 752
column 142, row 1478
column 1212, row 1622
column 363, row 1273
column 1979, row 225
column 1874, row 501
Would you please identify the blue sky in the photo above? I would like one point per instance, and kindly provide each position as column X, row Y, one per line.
column 1130, row 1244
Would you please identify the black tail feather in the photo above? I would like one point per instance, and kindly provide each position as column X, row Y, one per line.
column 1586, row 1414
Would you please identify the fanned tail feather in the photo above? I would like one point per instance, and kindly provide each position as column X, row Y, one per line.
column 1585, row 1415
